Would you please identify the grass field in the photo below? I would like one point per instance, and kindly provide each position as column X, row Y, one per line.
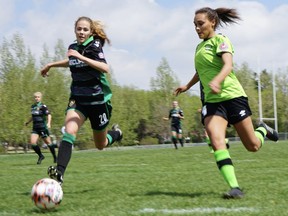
column 156, row 181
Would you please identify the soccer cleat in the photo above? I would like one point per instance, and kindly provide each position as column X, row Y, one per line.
column 40, row 159
column 115, row 127
column 271, row 133
column 55, row 174
column 234, row 193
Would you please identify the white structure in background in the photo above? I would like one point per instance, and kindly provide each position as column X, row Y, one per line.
column 261, row 118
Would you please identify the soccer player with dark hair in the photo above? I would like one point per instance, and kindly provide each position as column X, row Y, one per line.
column 225, row 101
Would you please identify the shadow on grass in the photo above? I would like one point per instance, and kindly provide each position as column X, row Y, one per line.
column 28, row 193
column 175, row 194
column 43, row 211
column 80, row 191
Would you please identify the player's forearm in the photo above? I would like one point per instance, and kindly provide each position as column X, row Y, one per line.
column 102, row 66
column 49, row 119
column 29, row 120
column 193, row 81
column 62, row 63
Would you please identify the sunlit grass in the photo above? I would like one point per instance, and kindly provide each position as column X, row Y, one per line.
column 158, row 181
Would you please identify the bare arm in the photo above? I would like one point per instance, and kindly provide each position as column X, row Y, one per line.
column 215, row 84
column 30, row 119
column 49, row 119
column 184, row 88
column 46, row 68
column 103, row 67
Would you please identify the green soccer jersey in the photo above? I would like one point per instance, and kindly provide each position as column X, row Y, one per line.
column 208, row 64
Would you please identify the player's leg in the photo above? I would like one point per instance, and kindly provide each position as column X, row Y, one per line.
column 33, row 142
column 180, row 137
column 216, row 130
column 253, row 140
column 73, row 121
column 250, row 139
column 106, row 138
column 47, row 139
column 174, row 138
column 207, row 140
column 99, row 117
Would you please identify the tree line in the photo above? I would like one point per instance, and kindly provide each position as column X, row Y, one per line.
column 138, row 112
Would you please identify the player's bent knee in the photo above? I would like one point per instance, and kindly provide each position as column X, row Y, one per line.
column 253, row 148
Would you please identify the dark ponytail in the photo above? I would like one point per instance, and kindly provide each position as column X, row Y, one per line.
column 220, row 15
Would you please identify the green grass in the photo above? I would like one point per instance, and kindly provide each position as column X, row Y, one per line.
column 161, row 181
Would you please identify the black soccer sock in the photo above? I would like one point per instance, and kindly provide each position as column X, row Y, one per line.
column 174, row 140
column 65, row 152
column 52, row 150
column 113, row 136
column 181, row 141
column 37, row 149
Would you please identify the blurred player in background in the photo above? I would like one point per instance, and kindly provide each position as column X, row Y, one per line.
column 176, row 115
column 41, row 119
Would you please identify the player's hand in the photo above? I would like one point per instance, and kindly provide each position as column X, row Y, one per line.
column 215, row 87
column 180, row 89
column 44, row 71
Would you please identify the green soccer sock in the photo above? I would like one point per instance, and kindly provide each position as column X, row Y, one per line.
column 226, row 167
column 260, row 133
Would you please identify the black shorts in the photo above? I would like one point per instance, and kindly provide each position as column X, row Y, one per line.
column 99, row 115
column 176, row 128
column 43, row 132
column 234, row 110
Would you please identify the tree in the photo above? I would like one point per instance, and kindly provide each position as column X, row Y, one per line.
column 18, row 73
column 165, row 82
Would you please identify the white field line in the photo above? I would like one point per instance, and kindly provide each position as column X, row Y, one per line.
column 198, row 210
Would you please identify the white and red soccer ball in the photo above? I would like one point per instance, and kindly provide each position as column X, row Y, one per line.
column 46, row 193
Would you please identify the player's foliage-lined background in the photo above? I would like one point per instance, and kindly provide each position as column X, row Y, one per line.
column 151, row 182
column 138, row 112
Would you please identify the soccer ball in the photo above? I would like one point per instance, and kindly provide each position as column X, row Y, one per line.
column 46, row 193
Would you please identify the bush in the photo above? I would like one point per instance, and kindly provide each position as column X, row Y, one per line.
column 149, row 141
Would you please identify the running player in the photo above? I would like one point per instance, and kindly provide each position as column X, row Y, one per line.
column 225, row 100
column 176, row 115
column 41, row 118
column 90, row 92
